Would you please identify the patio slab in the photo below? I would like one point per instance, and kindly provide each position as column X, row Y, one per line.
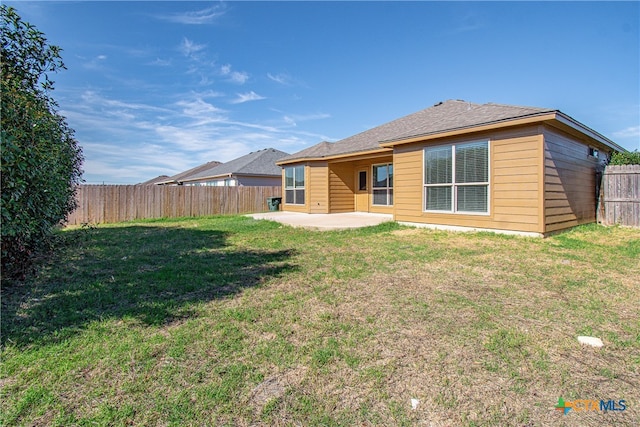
column 325, row 222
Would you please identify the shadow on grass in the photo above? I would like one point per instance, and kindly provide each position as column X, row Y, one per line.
column 153, row 274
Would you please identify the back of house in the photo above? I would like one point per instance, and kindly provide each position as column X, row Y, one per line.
column 458, row 164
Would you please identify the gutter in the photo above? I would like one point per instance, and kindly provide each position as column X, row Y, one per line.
column 569, row 121
column 334, row 156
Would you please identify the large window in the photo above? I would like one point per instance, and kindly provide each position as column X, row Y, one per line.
column 294, row 185
column 383, row 184
column 456, row 178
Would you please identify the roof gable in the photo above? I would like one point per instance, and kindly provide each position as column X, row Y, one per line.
column 189, row 173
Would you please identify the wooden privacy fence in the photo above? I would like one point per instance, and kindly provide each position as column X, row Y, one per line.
column 620, row 196
column 115, row 203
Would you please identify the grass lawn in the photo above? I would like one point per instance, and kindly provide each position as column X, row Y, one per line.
column 234, row 321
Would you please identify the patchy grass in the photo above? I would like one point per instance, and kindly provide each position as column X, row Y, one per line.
column 233, row 321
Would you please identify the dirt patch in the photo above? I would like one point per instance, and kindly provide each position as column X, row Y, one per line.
column 276, row 386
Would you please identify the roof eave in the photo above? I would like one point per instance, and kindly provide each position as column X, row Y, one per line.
column 334, row 157
column 200, row 178
column 568, row 121
column 231, row 175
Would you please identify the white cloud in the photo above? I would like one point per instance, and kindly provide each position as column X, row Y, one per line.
column 246, row 97
column 92, row 99
column 161, row 62
column 196, row 17
column 189, row 48
column 283, row 79
column 126, row 141
column 234, row 76
column 95, row 63
column 630, row 132
column 201, row 112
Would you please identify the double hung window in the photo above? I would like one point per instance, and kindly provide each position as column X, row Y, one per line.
column 456, row 178
column 294, row 185
column 383, row 184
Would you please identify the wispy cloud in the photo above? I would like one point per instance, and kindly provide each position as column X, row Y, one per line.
column 158, row 62
column 201, row 112
column 95, row 63
column 234, row 76
column 126, row 141
column 94, row 100
column 630, row 132
column 283, row 79
column 196, row 17
column 293, row 120
column 286, row 79
column 466, row 23
column 246, row 97
column 189, row 48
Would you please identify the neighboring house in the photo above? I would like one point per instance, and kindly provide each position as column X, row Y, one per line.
column 178, row 178
column 161, row 178
column 459, row 164
column 254, row 169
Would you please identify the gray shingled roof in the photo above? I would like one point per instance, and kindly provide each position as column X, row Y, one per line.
column 188, row 173
column 442, row 117
column 261, row 162
column 453, row 115
column 157, row 179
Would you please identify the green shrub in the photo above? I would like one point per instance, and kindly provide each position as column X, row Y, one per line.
column 628, row 158
column 41, row 160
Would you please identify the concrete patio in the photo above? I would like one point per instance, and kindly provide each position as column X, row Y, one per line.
column 325, row 222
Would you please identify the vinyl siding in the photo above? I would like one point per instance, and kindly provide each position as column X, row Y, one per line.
column 258, row 181
column 341, row 185
column 317, row 187
column 569, row 181
column 514, row 197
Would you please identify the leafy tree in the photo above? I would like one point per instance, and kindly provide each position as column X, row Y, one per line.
column 628, row 158
column 41, row 160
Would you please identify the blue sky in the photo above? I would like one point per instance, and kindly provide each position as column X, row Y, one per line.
column 159, row 87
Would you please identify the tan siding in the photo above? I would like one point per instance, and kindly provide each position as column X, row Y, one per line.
column 408, row 180
column 570, row 181
column 318, row 188
column 341, row 185
column 514, row 187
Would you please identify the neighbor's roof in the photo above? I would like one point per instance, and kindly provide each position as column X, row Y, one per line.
column 443, row 117
column 157, row 179
column 188, row 173
column 261, row 162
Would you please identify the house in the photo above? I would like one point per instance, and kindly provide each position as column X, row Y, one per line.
column 458, row 165
column 152, row 181
column 178, row 178
column 254, row 169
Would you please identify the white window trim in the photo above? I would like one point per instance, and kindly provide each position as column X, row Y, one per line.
column 387, row 188
column 453, row 185
column 294, row 188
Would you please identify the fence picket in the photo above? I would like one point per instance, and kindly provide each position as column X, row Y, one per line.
column 620, row 198
column 116, row 203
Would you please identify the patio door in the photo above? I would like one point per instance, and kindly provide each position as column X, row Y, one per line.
column 362, row 191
